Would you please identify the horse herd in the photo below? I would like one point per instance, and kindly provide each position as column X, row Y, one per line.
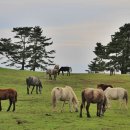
column 56, row 71
column 102, row 95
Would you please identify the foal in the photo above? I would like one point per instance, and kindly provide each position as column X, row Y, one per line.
column 10, row 94
column 91, row 95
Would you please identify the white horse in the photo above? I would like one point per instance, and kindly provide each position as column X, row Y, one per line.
column 64, row 94
column 120, row 94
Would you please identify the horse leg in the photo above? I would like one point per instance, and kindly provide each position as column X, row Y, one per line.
column 28, row 89
column 55, row 76
column 40, row 90
column 70, row 105
column 62, row 73
column 108, row 103
column 62, row 106
column 0, row 106
column 81, row 107
column 68, row 73
column 36, row 89
column 99, row 109
column 10, row 104
column 50, row 77
column 87, row 110
column 13, row 105
column 32, row 89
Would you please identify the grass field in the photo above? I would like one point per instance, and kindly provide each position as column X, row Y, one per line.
column 34, row 112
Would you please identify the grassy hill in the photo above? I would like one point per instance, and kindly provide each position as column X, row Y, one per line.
column 34, row 112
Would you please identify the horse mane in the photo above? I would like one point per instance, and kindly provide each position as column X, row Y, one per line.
column 75, row 99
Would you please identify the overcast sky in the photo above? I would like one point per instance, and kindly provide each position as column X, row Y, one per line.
column 75, row 26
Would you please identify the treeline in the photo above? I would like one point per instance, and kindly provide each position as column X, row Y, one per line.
column 115, row 54
column 28, row 49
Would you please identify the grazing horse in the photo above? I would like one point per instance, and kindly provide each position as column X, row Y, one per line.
column 10, row 94
column 54, row 72
column 104, row 86
column 66, row 68
column 56, row 67
column 64, row 94
column 92, row 95
column 51, row 72
column 120, row 94
column 33, row 81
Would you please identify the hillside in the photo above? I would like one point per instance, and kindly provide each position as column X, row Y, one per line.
column 35, row 111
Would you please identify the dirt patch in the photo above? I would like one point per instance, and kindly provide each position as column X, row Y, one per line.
column 19, row 122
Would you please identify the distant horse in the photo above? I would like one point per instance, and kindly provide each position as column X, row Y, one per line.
column 104, row 86
column 120, row 94
column 53, row 72
column 33, row 81
column 10, row 94
column 64, row 94
column 112, row 71
column 91, row 95
column 66, row 68
column 56, row 67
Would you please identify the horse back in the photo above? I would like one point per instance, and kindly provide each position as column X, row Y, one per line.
column 94, row 95
column 8, row 94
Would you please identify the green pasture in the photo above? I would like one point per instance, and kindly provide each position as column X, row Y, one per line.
column 34, row 112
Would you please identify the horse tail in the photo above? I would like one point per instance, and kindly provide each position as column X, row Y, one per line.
column 16, row 96
column 53, row 98
column 70, row 69
column 83, row 99
column 126, row 96
column 74, row 96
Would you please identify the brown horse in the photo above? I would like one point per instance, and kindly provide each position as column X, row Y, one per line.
column 10, row 94
column 91, row 95
column 104, row 86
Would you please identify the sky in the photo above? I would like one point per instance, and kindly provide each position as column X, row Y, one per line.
column 75, row 26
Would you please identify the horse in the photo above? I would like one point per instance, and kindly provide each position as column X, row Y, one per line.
column 65, row 68
column 92, row 95
column 10, row 94
column 56, row 67
column 104, row 86
column 33, row 81
column 120, row 94
column 54, row 72
column 51, row 72
column 64, row 94
column 112, row 71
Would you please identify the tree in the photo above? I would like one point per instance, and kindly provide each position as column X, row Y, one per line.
column 22, row 33
column 39, row 55
column 28, row 50
column 118, row 49
column 7, row 50
column 98, row 64
column 116, row 53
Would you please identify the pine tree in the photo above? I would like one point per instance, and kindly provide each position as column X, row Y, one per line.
column 40, row 57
